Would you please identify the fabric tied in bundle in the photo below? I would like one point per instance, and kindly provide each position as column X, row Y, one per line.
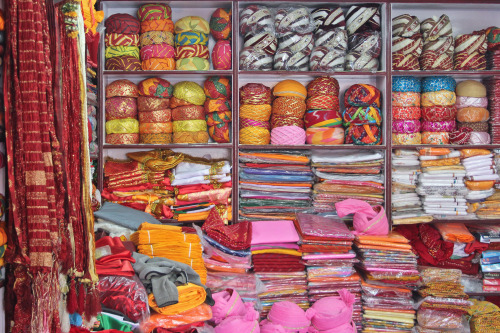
column 406, row 126
column 123, row 63
column 406, row 52
column 122, row 126
column 288, row 135
column 158, row 64
column 190, row 137
column 156, row 37
column 439, row 126
column 470, row 51
column 154, row 12
column 406, row 138
column 437, row 54
column 364, row 135
column 362, row 95
column 217, row 87
column 219, row 133
column 406, row 113
column 435, row 138
column 220, row 24
column 362, row 115
column 121, row 107
column 325, row 135
column 192, row 64
column 122, row 24
column 122, row 138
column 323, row 118
column 366, row 220
column 434, row 27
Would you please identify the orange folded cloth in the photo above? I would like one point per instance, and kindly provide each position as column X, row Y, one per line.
column 202, row 312
column 190, row 296
column 455, row 232
column 393, row 237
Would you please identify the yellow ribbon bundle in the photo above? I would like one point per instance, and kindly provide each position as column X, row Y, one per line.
column 190, row 137
column 190, row 296
column 254, row 135
column 122, row 126
column 190, row 125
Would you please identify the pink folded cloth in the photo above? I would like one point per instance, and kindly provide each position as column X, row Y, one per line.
column 291, row 246
column 272, row 232
column 329, row 256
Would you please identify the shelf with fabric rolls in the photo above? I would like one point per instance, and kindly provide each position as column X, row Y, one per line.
column 468, row 74
column 169, row 146
column 169, row 73
column 312, row 73
column 310, row 147
column 420, row 146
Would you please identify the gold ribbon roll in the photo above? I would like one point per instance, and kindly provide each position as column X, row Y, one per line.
column 190, row 137
column 260, row 112
column 122, row 126
column 190, row 126
column 151, row 128
column 254, row 135
column 156, row 138
column 122, row 139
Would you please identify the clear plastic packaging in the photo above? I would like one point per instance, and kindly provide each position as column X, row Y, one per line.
column 357, row 61
column 255, row 60
column 296, row 19
column 255, row 19
column 327, row 59
column 297, row 42
column 263, row 41
column 332, row 39
column 287, row 60
column 367, row 42
column 439, row 319
column 318, row 226
column 434, row 274
column 242, row 283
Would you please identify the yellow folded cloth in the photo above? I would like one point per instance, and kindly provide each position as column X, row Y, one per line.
column 163, row 236
column 190, row 296
column 390, row 317
column 279, row 251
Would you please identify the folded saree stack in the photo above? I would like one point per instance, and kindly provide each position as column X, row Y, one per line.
column 274, row 185
column 347, row 174
column 389, row 268
column 406, row 204
column 489, row 235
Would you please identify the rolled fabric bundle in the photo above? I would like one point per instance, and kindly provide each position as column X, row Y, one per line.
column 152, row 103
column 190, row 112
column 360, row 115
column 289, row 106
column 471, row 88
column 357, row 61
column 222, row 55
column 439, row 126
column 220, row 133
column 479, row 138
column 157, row 25
column 405, row 25
column 156, row 138
column 324, row 136
column 192, row 23
column 192, row 64
column 190, row 137
column 434, row 27
column 435, row 138
column 190, row 92
column 440, row 46
column 155, row 87
column 217, row 118
column 190, row 51
column 122, row 24
column 176, row 102
column 442, row 97
column 406, row 84
column 470, row 43
column 406, row 126
column 246, row 122
column 121, row 107
column 437, row 83
column 323, row 85
column 406, row 112
column 464, row 101
column 157, row 51
column 290, row 88
column 122, row 138
column 362, row 95
column 218, row 104
column 262, row 41
column 286, row 60
column 405, row 99
column 122, row 88
column 124, row 63
column 323, row 102
column 255, row 18
column 280, row 121
column 190, row 38
column 296, row 42
column 114, row 39
column 158, row 64
column 332, row 39
column 157, row 116
column 255, row 93
column 288, row 135
column 480, row 126
column 403, row 62
column 257, row 112
column 156, row 37
column 472, row 114
column 324, row 59
column 255, row 60
column 220, row 24
column 296, row 19
column 431, row 60
column 366, row 42
column 479, row 185
column 120, row 51
column 323, row 118
column 460, row 136
column 439, row 113
column 122, row 126
column 154, row 11
column 365, row 135
column 254, row 136
column 326, row 19
column 466, row 62
column 217, row 87
column 190, row 125
column 361, row 18
column 406, row 138
column 151, row 128
column 407, row 45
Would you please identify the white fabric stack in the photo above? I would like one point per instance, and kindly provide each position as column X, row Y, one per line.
column 481, row 169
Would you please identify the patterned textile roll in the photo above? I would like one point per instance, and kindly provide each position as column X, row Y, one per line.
column 286, row 60
column 122, row 88
column 158, row 64
column 220, row 133
column 220, row 24
column 254, row 136
column 157, row 51
column 464, row 101
column 253, row 60
column 114, row 39
column 493, row 38
column 472, row 114
column 441, row 97
column 407, row 139
column 263, row 41
column 157, row 25
column 406, row 84
column 217, row 87
column 155, row 87
column 192, row 64
column 190, row 51
column 360, row 115
column 296, row 42
column 470, row 43
column 191, row 137
column 366, row 42
column 246, row 122
column 406, row 112
column 280, row 121
column 125, row 63
column 192, row 23
column 121, row 51
column 152, row 128
column 257, row 112
column 325, row 136
column 405, row 25
column 361, row 18
column 156, row 138
column 357, row 61
column 289, row 106
column 154, row 11
column 290, row 88
column 217, row 118
column 323, row 102
column 121, row 107
column 122, row 139
column 407, row 45
column 480, row 126
column 288, row 135
column 255, row 93
column 403, row 62
column 460, row 136
column 157, row 116
column 439, row 126
column 122, row 24
column 221, row 55
column 332, row 39
column 436, row 83
column 156, row 37
column 440, row 46
column 176, row 102
column 466, row 62
column 323, row 118
column 323, row 85
column 218, row 104
column 122, row 126
column 190, row 112
column 152, row 103
column 439, row 113
column 256, row 18
column 365, row 135
column 479, row 138
column 406, row 126
column 295, row 19
column 471, row 88
column 326, row 19
column 190, row 92
column 362, row 95
column 431, row 60
column 435, row 138
column 190, row 38
column 434, row 27
column 324, row 59
column 190, row 125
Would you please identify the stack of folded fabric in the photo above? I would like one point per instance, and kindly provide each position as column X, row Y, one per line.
column 389, row 268
column 323, row 120
column 255, row 112
column 493, row 53
column 326, row 251
column 365, row 44
column 406, row 110
column 221, row 30
column 287, row 120
column 493, row 94
column 472, row 112
column 470, row 50
column 218, row 107
column 406, row 205
column 438, row 99
column 113, row 258
column 484, row 316
column 481, row 174
column 330, row 40
column 122, row 126
column 260, row 42
column 122, row 36
column 157, row 51
column 407, row 42
column 490, row 266
column 274, row 185
column 155, row 127
column 362, row 116
column 189, row 125
column 191, row 40
column 438, row 45
column 347, row 174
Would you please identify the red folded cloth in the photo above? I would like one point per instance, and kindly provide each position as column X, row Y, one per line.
column 119, row 262
column 236, row 236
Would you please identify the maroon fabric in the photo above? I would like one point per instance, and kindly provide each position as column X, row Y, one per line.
column 236, row 236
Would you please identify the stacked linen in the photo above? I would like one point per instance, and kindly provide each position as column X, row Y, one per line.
column 347, row 174
column 191, row 39
column 406, row 111
column 406, row 42
column 122, row 126
column 122, row 37
column 438, row 45
column 274, row 185
column 490, row 207
column 405, row 202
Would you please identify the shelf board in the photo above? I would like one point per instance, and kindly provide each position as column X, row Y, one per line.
column 174, row 72
column 329, row 147
column 491, row 146
column 476, row 221
column 483, row 293
column 179, row 145
column 458, row 73
column 310, row 73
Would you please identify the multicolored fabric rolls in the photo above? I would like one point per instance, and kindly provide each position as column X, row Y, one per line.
column 190, row 51
column 255, row 93
column 323, row 118
column 361, row 115
column 121, row 107
column 122, row 126
column 439, row 113
column 217, row 87
column 406, row 138
column 255, row 112
column 441, row 97
column 406, row 84
column 219, row 133
column 115, row 39
column 189, row 126
column 155, row 87
column 323, row 102
column 190, row 38
column 437, row 54
column 365, row 135
column 157, row 25
column 258, row 112
column 406, row 126
column 190, row 112
column 122, row 139
column 154, row 12
column 217, row 118
column 190, row 137
column 221, row 55
column 480, row 126
column 122, row 24
column 120, row 51
column 155, row 138
column 362, row 95
column 123, row 63
column 405, row 99
column 323, row 85
column 406, row 113
column 289, row 106
column 122, row 88
column 439, row 126
column 152, row 103
column 437, row 83
column 324, row 136
column 157, row 116
column 218, row 104
column 288, row 135
column 192, row 64
column 121, row 112
column 156, row 37
column 157, row 51
column 190, row 92
column 151, row 128
column 158, row 64
column 460, row 136
column 435, row 138
column 220, row 24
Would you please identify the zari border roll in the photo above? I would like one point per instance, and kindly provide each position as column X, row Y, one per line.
column 216, row 105
column 406, row 113
column 152, row 128
column 441, row 97
column 406, row 126
column 114, row 39
column 257, row 112
column 190, row 126
column 155, row 138
column 190, row 112
column 121, row 51
column 325, row 136
column 406, row 138
column 121, row 107
column 191, row 137
column 439, row 113
column 158, row 64
column 439, row 126
column 145, row 103
column 254, row 136
column 156, row 37
column 289, row 106
column 157, row 25
column 435, row 138
column 122, row 88
column 122, row 138
column 157, row 116
column 190, row 51
column 255, row 93
column 480, row 126
column 124, row 63
column 246, row 122
column 122, row 126
column 405, row 99
column 154, row 11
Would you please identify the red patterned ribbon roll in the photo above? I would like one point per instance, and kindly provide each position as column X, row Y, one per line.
column 402, row 62
column 323, row 118
column 280, row 121
column 469, row 62
column 323, row 102
column 471, row 43
column 145, row 103
column 460, row 136
column 406, row 126
column 123, row 63
column 114, row 39
column 122, row 139
column 406, row 113
column 157, row 25
column 157, row 116
column 157, row 51
column 217, row 118
column 480, row 126
column 405, row 99
column 122, row 24
column 407, row 45
column 190, row 112
column 289, row 106
column 220, row 133
column 121, row 107
column 255, row 93
column 156, row 138
column 122, row 88
column 323, row 85
column 191, row 51
column 246, row 122
column 154, row 11
column 439, row 126
column 439, row 113
column 362, row 95
column 215, row 105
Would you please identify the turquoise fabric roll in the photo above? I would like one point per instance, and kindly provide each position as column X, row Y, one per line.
column 406, row 84
column 437, row 83
column 190, row 38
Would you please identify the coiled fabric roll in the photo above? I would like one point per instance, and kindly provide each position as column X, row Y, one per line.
column 156, row 37
column 324, row 136
column 460, row 136
column 323, row 102
column 479, row 138
column 406, row 126
column 406, row 113
column 406, row 84
column 123, row 63
column 122, row 126
column 218, row 104
column 323, row 85
column 405, row 99
column 153, row 128
column 114, row 39
column 192, row 64
column 362, row 115
column 255, row 93
column 288, row 135
column 280, row 121
column 190, row 126
column 222, row 55
column 155, row 87
column 323, row 118
column 463, row 102
column 122, row 24
column 437, row 83
column 257, row 112
column 472, row 114
column 217, row 118
column 190, row 51
column 157, row 116
column 192, row 23
column 176, row 102
column 190, row 38
column 219, row 133
column 122, row 88
column 441, row 97
column 362, row 95
column 246, row 122
column 121, row 107
column 190, row 137
column 439, row 113
column 122, row 138
column 480, row 126
column 156, row 138
column 190, row 92
column 158, row 64
column 439, row 126
column 190, row 112
column 217, row 87
column 365, row 135
column 145, row 103
column 406, row 138
column 120, row 51
column 289, row 106
column 254, row 136
column 435, row 138
column 405, row 62
column 157, row 25
column 157, row 51
column 153, row 11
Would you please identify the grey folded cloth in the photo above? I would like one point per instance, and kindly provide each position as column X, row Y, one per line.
column 124, row 216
